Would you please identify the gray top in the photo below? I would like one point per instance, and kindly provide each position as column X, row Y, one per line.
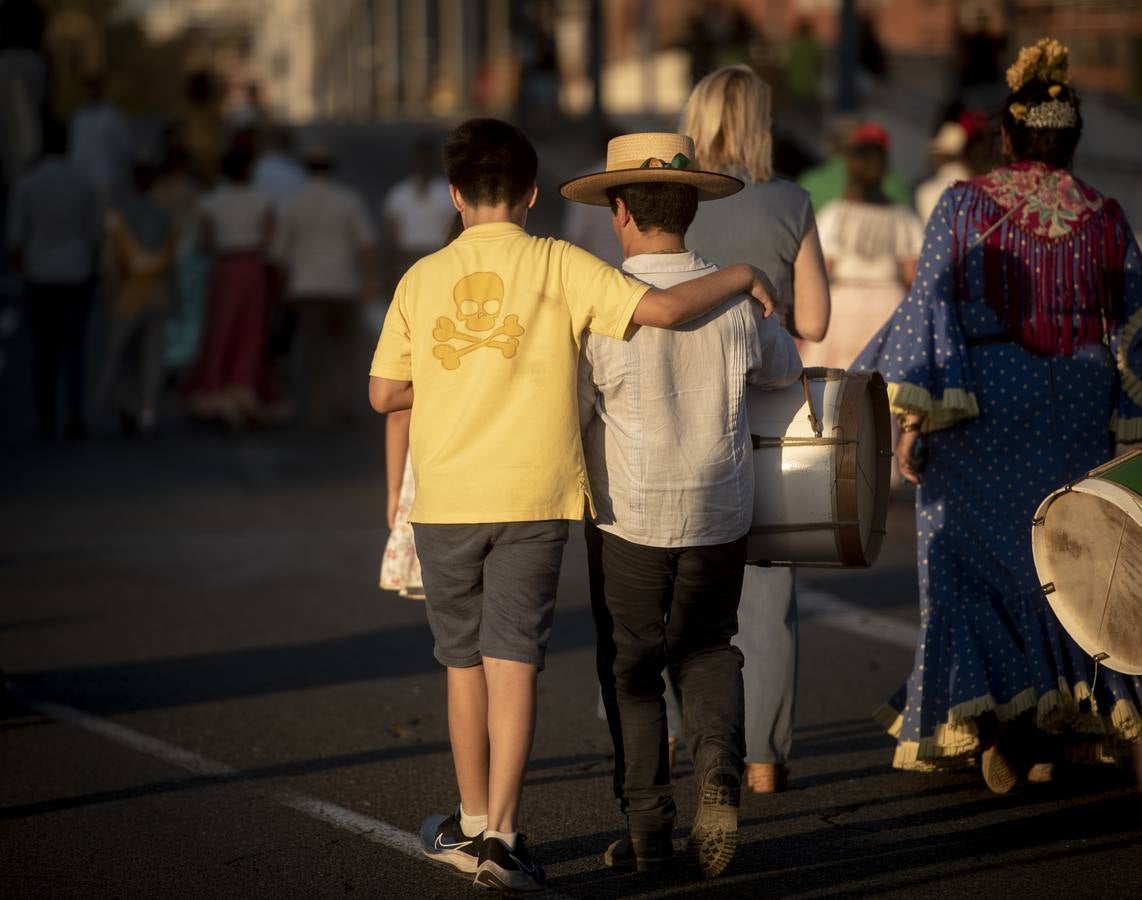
column 55, row 220
column 763, row 225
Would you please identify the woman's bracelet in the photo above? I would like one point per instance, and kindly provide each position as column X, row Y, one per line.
column 907, row 427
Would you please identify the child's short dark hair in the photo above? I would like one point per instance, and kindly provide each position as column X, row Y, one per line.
column 490, row 162
column 658, row 205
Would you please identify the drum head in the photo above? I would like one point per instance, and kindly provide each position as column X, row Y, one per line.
column 1089, row 548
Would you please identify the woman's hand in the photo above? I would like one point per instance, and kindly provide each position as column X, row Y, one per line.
column 904, row 459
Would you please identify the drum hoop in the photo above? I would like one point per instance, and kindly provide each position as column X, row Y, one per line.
column 793, row 564
column 769, row 443
column 802, row 526
column 1112, row 463
column 823, row 373
column 850, row 549
column 1119, row 495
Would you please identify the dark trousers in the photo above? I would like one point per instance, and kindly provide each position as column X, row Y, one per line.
column 655, row 609
column 325, row 357
column 57, row 319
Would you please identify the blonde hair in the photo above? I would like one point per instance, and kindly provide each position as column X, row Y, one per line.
column 728, row 115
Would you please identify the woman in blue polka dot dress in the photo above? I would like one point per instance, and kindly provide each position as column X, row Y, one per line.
column 1018, row 357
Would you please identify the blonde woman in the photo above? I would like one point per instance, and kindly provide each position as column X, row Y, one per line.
column 771, row 224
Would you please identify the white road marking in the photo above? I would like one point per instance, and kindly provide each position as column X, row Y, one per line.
column 373, row 830
column 827, row 609
column 370, row 829
column 128, row 737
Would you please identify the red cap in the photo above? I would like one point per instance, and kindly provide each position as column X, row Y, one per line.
column 869, row 133
column 974, row 122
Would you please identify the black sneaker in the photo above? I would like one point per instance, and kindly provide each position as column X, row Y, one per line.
column 443, row 841
column 504, row 868
column 714, row 837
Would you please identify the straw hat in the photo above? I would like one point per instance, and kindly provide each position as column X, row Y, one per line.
column 950, row 140
column 655, row 157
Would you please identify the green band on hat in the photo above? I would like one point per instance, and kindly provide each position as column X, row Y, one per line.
column 680, row 161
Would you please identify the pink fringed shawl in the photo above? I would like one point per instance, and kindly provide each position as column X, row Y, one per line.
column 1053, row 254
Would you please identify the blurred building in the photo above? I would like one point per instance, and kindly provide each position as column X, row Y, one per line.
column 1104, row 36
column 282, row 56
column 356, row 59
column 221, row 19
column 218, row 34
column 412, row 57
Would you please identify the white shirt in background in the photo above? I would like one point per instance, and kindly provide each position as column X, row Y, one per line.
column 929, row 192
column 865, row 243
column 663, row 415
column 319, row 238
column 280, row 176
column 237, row 215
column 421, row 218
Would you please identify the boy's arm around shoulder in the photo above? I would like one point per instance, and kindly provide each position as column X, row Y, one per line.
column 671, row 307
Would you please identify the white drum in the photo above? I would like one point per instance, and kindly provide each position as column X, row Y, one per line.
column 1087, row 542
column 822, row 464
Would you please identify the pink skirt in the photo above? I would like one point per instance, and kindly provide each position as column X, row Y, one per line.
column 858, row 313
column 232, row 365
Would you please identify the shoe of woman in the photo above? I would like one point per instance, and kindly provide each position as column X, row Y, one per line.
column 999, row 774
column 766, row 778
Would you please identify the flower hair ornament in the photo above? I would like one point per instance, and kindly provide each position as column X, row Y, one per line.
column 1047, row 60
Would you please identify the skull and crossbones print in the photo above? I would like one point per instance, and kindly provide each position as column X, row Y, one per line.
column 479, row 297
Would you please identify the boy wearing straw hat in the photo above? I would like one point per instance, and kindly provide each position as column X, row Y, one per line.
column 669, row 457
column 488, row 331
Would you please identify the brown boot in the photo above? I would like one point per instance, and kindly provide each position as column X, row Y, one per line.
column 714, row 837
column 766, row 778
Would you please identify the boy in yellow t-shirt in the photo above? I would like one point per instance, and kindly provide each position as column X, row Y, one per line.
column 487, row 331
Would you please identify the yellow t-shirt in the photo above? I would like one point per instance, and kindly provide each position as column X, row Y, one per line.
column 488, row 331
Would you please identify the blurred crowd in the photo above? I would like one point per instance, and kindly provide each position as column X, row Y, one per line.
column 228, row 287
column 209, row 254
column 204, row 258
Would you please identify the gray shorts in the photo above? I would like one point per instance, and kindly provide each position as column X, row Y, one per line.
column 490, row 589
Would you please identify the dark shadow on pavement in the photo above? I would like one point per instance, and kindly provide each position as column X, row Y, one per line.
column 839, row 860
column 214, row 677
column 277, row 770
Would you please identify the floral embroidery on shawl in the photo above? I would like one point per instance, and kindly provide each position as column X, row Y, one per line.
column 1053, row 253
column 1054, row 202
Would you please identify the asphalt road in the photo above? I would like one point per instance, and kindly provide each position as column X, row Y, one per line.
column 209, row 697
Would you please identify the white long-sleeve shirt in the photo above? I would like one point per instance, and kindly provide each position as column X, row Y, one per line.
column 663, row 415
